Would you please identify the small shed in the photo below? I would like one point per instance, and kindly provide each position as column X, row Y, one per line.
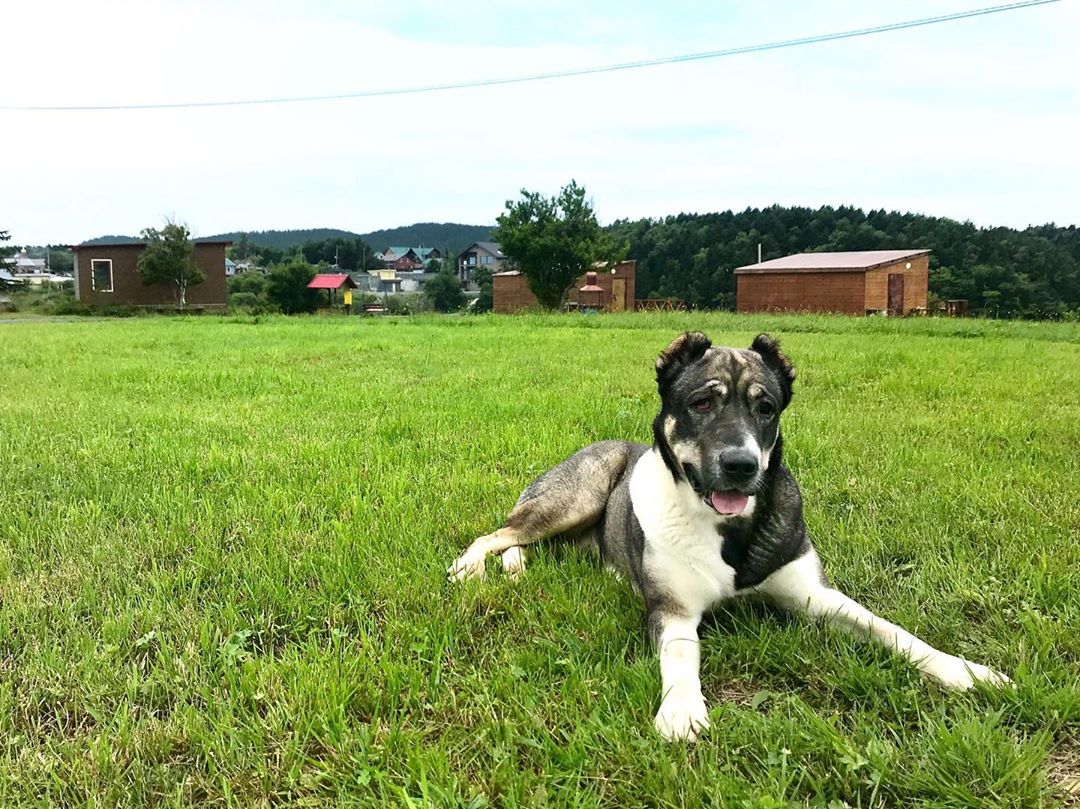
column 108, row 274
column 856, row 283
column 332, row 282
column 511, row 293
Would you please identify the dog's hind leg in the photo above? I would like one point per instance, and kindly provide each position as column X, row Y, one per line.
column 515, row 559
column 569, row 498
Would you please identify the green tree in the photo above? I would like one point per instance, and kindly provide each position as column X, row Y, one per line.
column 485, row 300
column 286, row 287
column 552, row 241
column 248, row 291
column 252, row 282
column 5, row 252
column 169, row 258
column 241, row 251
column 444, row 292
column 61, row 260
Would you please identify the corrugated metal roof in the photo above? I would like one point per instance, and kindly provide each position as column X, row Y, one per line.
column 858, row 260
column 394, row 253
column 331, row 281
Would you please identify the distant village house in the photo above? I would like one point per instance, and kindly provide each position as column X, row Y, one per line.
column 21, row 263
column 480, row 254
column 408, row 259
column 247, row 266
column 22, row 269
column 405, row 269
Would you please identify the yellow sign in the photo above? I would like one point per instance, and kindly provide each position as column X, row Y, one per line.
column 348, row 297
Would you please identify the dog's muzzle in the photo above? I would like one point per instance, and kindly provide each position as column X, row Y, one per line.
column 729, row 501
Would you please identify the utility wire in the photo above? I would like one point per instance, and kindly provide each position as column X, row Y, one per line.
column 556, row 74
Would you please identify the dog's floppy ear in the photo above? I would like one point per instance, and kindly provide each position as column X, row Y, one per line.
column 769, row 349
column 684, row 349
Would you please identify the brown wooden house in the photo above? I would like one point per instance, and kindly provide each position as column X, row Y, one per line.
column 510, row 291
column 859, row 283
column 106, row 274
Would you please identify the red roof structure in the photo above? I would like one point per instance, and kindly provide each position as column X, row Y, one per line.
column 332, row 281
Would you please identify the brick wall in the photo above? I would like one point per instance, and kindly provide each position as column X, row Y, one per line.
column 511, row 293
column 801, row 292
column 916, row 281
column 128, row 289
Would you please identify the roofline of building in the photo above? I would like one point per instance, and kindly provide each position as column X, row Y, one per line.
column 478, row 244
column 343, row 278
column 776, row 270
column 758, row 268
column 225, row 242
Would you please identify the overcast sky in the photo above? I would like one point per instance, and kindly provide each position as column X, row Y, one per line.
column 977, row 119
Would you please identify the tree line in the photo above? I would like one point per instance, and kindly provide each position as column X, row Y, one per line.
column 350, row 254
column 1000, row 271
column 419, row 234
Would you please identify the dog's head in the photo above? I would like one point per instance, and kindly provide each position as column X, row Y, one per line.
column 719, row 417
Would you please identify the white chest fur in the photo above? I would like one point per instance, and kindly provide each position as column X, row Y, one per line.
column 682, row 540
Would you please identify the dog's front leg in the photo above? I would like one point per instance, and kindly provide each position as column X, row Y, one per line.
column 682, row 713
column 800, row 587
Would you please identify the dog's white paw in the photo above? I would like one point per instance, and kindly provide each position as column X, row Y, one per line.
column 470, row 565
column 682, row 715
column 513, row 561
column 958, row 674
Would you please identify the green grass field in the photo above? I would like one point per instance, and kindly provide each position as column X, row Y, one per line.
column 223, row 544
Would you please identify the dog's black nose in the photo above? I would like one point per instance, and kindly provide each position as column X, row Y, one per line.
column 739, row 463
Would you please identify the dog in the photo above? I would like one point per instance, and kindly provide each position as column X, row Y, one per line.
column 708, row 513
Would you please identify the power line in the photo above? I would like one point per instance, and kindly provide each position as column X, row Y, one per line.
column 556, row 74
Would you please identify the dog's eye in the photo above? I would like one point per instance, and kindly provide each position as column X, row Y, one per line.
column 766, row 408
column 702, row 405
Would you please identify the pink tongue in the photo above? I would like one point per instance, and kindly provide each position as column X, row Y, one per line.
column 729, row 503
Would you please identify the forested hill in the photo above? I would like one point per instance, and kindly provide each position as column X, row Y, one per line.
column 430, row 234
column 112, row 239
column 285, row 239
column 422, row 234
column 1001, row 271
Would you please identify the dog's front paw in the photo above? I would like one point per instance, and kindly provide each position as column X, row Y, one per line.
column 682, row 715
column 513, row 562
column 960, row 675
column 470, row 565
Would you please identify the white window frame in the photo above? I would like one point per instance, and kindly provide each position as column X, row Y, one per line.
column 93, row 277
